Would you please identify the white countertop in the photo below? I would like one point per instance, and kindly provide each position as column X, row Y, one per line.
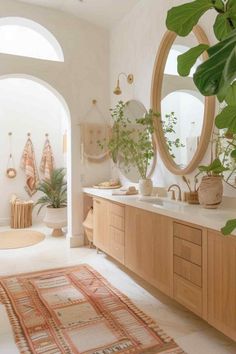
column 210, row 218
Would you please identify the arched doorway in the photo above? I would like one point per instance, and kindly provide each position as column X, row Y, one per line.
column 27, row 97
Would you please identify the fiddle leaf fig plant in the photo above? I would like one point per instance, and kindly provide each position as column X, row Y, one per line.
column 216, row 75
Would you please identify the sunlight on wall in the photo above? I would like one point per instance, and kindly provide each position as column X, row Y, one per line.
column 23, row 37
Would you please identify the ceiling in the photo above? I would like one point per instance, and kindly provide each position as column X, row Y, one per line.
column 105, row 13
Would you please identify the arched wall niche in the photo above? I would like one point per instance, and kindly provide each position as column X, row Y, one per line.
column 16, row 32
column 67, row 110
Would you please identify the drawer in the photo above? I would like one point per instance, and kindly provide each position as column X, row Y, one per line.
column 188, row 250
column 117, row 244
column 117, row 209
column 188, row 294
column 188, row 270
column 188, row 233
column 117, row 222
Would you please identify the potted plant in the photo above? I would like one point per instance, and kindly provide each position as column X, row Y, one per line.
column 211, row 187
column 55, row 199
column 215, row 76
column 131, row 144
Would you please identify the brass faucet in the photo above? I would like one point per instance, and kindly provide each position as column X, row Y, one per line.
column 173, row 192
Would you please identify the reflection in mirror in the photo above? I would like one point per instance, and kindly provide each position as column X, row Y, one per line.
column 134, row 110
column 182, row 127
column 182, row 106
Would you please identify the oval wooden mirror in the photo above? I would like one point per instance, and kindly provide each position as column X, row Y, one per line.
column 184, row 130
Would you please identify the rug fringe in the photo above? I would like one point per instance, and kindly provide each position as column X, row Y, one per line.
column 15, row 323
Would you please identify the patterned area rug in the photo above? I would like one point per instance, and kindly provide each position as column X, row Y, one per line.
column 75, row 310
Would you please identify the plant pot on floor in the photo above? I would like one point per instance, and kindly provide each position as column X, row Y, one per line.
column 210, row 192
column 145, row 187
column 56, row 218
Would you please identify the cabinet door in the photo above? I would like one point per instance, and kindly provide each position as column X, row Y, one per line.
column 222, row 283
column 148, row 247
column 101, row 224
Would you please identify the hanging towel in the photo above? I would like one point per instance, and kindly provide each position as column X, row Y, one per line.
column 47, row 160
column 28, row 165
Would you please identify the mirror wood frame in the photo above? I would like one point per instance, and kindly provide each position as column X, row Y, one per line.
column 156, row 98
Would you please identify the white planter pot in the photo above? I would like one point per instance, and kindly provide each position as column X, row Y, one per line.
column 145, row 187
column 56, row 218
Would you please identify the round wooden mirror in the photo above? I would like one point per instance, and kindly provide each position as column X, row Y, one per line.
column 184, row 130
column 134, row 110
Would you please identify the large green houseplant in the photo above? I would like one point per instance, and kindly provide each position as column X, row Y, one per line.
column 130, row 144
column 54, row 198
column 217, row 74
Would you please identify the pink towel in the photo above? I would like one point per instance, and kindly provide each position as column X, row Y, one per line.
column 28, row 164
column 47, row 160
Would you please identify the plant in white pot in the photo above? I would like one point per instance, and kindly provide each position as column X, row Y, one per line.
column 131, row 145
column 55, row 199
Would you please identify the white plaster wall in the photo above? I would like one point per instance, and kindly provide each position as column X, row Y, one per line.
column 133, row 47
column 83, row 76
column 26, row 107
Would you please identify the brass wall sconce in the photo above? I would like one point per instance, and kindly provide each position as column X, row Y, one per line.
column 130, row 79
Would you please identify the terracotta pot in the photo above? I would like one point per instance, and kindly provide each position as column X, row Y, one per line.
column 145, row 187
column 56, row 218
column 210, row 192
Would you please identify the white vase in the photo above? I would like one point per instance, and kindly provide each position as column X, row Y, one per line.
column 145, row 187
column 56, row 218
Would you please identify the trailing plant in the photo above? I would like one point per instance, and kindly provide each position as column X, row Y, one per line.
column 216, row 75
column 54, row 190
column 168, row 126
column 131, row 143
column 225, row 144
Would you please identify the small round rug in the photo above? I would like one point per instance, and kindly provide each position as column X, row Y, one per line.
column 19, row 238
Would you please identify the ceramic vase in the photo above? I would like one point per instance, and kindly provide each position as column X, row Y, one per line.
column 56, row 218
column 210, row 192
column 145, row 187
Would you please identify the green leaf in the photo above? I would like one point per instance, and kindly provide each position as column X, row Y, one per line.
column 233, row 154
column 216, row 167
column 229, row 227
column 230, row 98
column 228, row 75
column 222, row 26
column 187, row 60
column 218, row 4
column 227, row 119
column 183, row 18
column 216, row 74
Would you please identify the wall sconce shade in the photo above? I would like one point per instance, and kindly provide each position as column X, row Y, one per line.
column 130, row 79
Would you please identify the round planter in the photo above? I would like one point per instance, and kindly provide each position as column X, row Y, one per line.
column 145, row 187
column 56, row 218
column 210, row 192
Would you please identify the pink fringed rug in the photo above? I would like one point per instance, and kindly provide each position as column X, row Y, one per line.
column 75, row 310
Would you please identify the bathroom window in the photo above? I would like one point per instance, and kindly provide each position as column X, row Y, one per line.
column 23, row 37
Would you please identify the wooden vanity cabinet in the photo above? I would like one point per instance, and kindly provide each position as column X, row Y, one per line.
column 195, row 266
column 222, row 283
column 149, row 247
column 190, row 267
column 109, row 228
column 100, row 224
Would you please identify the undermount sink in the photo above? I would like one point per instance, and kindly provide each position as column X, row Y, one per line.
column 170, row 204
